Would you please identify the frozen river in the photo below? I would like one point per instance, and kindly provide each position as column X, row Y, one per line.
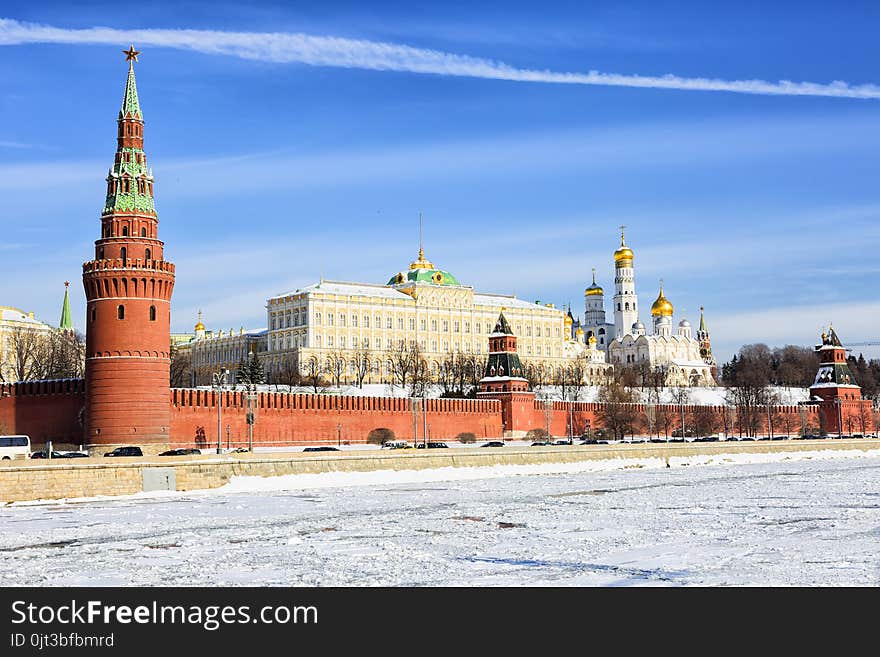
column 792, row 522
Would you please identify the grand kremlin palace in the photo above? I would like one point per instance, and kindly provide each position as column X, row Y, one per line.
column 422, row 305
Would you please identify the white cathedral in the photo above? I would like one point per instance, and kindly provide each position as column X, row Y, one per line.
column 686, row 360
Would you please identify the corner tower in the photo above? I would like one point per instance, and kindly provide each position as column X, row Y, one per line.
column 128, row 289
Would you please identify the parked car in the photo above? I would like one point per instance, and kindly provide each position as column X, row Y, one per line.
column 493, row 443
column 563, row 442
column 74, row 455
column 433, row 445
column 128, row 450
column 44, row 454
column 321, row 448
column 540, row 443
column 181, row 451
column 706, row 439
column 396, row 444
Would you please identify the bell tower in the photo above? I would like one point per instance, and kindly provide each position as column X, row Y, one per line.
column 128, row 289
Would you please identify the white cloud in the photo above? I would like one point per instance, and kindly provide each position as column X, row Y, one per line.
column 301, row 48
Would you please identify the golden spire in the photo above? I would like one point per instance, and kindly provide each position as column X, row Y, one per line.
column 421, row 263
column 623, row 257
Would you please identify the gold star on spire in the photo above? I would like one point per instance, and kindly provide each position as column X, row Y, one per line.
column 131, row 54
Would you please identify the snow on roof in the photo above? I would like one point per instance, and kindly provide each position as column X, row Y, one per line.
column 346, row 288
column 10, row 314
column 506, row 301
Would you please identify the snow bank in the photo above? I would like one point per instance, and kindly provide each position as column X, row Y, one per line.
column 386, row 477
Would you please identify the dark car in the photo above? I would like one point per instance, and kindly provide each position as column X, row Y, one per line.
column 126, row 451
column 563, row 442
column 44, row 454
column 74, row 455
column 706, row 439
column 540, row 443
column 181, row 451
column 322, row 448
column 493, row 443
column 433, row 445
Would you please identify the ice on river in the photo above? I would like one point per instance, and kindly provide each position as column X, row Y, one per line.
column 793, row 519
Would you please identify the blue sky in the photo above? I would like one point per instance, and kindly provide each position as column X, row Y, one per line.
column 270, row 171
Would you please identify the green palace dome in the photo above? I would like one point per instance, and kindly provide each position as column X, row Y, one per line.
column 423, row 271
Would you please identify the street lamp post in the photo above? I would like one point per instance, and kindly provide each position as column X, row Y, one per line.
column 424, row 421
column 839, row 418
column 769, row 423
column 339, row 435
column 681, row 408
column 219, row 380
column 251, row 417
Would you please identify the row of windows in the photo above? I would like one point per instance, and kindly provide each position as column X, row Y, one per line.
column 120, row 313
column 297, row 318
column 108, row 231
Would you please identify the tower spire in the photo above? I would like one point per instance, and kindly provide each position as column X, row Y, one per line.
column 130, row 104
column 66, row 323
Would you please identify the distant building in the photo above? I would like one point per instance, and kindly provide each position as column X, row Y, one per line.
column 424, row 307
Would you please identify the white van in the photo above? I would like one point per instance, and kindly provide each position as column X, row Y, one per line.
column 14, row 447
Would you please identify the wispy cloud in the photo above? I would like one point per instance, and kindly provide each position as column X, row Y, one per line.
column 382, row 56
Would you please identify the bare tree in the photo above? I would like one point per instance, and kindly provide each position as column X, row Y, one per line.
column 287, row 372
column 336, row 363
column 618, row 410
column 362, row 360
column 420, row 377
column 704, row 420
column 313, row 373
column 401, row 364
column 181, row 368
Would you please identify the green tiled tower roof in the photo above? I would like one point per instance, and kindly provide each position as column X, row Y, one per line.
column 130, row 104
column 66, row 318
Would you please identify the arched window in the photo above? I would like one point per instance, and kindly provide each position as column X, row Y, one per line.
column 120, row 312
column 125, row 231
column 147, row 255
column 93, row 314
column 101, row 253
column 626, row 306
column 123, row 253
column 143, row 232
column 152, row 313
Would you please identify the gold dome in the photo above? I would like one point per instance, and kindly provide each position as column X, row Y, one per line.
column 662, row 306
column 199, row 326
column 579, row 331
column 592, row 340
column 623, row 256
column 568, row 320
column 594, row 290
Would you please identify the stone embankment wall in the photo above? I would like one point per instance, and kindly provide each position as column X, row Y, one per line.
column 41, row 480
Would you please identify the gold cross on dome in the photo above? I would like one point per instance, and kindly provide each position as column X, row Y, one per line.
column 131, row 53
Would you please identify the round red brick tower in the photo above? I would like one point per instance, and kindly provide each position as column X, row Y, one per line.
column 128, row 291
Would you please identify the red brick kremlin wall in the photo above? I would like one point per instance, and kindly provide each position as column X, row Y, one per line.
column 53, row 410
column 44, row 410
column 285, row 419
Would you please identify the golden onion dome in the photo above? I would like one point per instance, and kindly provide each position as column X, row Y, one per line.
column 579, row 331
column 623, row 256
column 199, row 326
column 568, row 320
column 592, row 340
column 662, row 306
column 594, row 290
